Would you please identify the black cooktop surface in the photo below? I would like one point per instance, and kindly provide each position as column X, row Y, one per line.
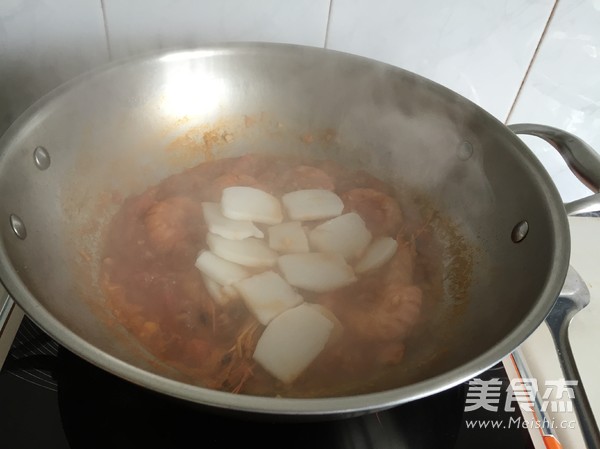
column 51, row 398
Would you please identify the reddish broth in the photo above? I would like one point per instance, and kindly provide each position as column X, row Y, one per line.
column 155, row 291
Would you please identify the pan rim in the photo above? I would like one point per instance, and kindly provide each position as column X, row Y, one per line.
column 290, row 406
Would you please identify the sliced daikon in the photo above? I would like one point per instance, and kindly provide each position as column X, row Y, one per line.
column 312, row 204
column 220, row 270
column 317, row 272
column 377, row 254
column 288, row 237
column 220, row 294
column 267, row 295
column 338, row 328
column 225, row 227
column 230, row 291
column 346, row 235
column 248, row 203
column 292, row 341
column 249, row 252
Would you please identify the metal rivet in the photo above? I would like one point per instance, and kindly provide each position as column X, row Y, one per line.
column 465, row 150
column 520, row 231
column 18, row 226
column 41, row 158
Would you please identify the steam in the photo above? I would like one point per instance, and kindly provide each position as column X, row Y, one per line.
column 403, row 128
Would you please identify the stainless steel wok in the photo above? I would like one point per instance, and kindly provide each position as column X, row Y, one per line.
column 67, row 162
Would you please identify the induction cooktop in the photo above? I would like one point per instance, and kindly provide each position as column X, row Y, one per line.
column 51, row 398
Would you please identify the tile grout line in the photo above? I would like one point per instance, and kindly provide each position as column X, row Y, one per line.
column 328, row 22
column 531, row 62
column 110, row 56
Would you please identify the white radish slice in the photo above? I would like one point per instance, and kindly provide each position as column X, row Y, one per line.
column 249, row 252
column 220, row 270
column 346, row 235
column 316, row 272
column 338, row 329
column 225, row 227
column 288, row 237
column 267, row 295
column 377, row 254
column 291, row 342
column 312, row 204
column 230, row 291
column 220, row 294
column 248, row 203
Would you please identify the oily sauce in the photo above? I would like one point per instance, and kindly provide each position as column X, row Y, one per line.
column 158, row 295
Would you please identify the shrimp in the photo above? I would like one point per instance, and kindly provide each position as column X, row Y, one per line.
column 393, row 318
column 228, row 319
column 391, row 353
column 362, row 179
column 250, row 164
column 306, row 177
column 236, row 364
column 172, row 223
column 215, row 190
column 380, row 211
column 385, row 307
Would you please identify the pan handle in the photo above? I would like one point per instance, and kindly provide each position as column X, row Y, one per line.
column 583, row 161
column 573, row 297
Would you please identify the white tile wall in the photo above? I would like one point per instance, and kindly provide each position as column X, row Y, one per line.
column 479, row 49
column 563, row 86
column 136, row 26
column 42, row 44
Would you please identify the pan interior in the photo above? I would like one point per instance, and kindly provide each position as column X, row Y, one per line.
column 117, row 131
